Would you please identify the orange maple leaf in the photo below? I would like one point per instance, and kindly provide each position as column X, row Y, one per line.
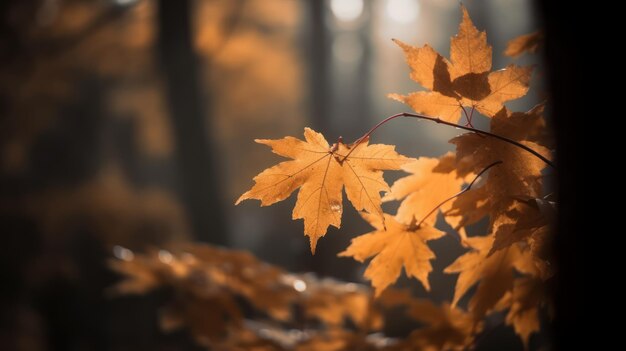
column 446, row 327
column 532, row 221
column 332, row 307
column 524, row 43
column 494, row 274
column 321, row 172
column 395, row 245
column 465, row 81
column 523, row 302
column 520, row 174
column 449, row 328
column 431, row 181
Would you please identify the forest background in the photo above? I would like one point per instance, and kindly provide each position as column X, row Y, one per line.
column 95, row 154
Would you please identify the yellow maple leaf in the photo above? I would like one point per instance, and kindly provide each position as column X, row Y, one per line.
column 466, row 81
column 431, row 181
column 321, row 172
column 469, row 50
column 395, row 245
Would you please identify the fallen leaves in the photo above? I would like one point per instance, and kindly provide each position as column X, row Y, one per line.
column 448, row 328
column 321, row 172
column 212, row 300
column 218, row 290
column 445, row 327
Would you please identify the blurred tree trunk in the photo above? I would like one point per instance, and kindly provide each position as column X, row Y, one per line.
column 319, row 57
column 189, row 115
column 362, row 104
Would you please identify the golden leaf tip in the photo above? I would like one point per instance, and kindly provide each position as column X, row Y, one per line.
column 464, row 9
column 397, row 97
column 240, row 199
column 313, row 247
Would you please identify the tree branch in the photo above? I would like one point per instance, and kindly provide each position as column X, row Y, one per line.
column 467, row 188
column 440, row 121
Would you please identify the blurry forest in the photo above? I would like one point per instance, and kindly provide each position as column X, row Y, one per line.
column 129, row 124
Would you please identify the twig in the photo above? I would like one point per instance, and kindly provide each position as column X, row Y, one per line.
column 369, row 132
column 440, row 121
column 467, row 188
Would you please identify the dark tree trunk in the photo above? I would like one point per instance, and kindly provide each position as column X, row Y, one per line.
column 565, row 82
column 188, row 113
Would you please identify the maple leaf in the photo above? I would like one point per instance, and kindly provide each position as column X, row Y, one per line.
column 140, row 276
column 191, row 312
column 395, row 245
column 324, row 343
column 332, row 308
column 533, row 217
column 494, row 274
column 332, row 302
column 342, row 340
column 465, row 81
column 321, row 172
column 523, row 302
column 520, row 174
column 449, row 328
column 243, row 275
column 431, row 181
column 446, row 327
column 469, row 207
column 524, row 43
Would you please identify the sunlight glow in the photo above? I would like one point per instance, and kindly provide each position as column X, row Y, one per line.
column 124, row 2
column 402, row 11
column 299, row 285
column 123, row 253
column 346, row 10
column 165, row 256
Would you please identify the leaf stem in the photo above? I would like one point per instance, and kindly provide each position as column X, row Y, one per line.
column 467, row 188
column 369, row 132
column 440, row 121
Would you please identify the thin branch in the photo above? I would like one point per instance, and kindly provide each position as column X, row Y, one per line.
column 440, row 121
column 478, row 131
column 369, row 132
column 467, row 188
column 468, row 118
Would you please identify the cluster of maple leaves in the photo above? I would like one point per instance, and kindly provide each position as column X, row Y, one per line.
column 229, row 300
column 509, row 263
